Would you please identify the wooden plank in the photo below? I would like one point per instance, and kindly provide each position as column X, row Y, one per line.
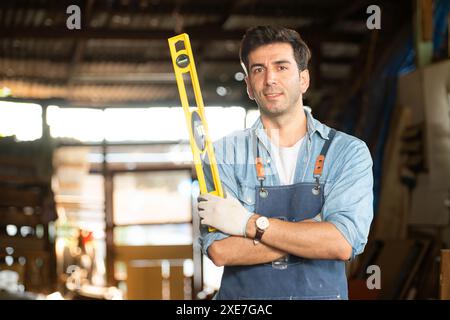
column 399, row 261
column 18, row 218
column 357, row 290
column 109, row 219
column 26, row 180
column 40, row 277
column 28, row 243
column 391, row 220
column 390, row 261
column 128, row 253
column 444, row 292
column 412, row 265
column 26, row 253
column 427, row 20
column 194, row 33
column 20, row 198
column 437, row 124
column 17, row 162
column 144, row 282
column 423, row 32
column 177, row 283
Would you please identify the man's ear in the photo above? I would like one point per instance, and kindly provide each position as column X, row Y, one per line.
column 304, row 81
column 249, row 89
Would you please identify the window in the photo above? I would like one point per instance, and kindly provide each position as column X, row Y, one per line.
column 83, row 124
column 138, row 124
column 149, row 124
column 223, row 121
column 153, row 235
column 24, row 120
column 152, row 197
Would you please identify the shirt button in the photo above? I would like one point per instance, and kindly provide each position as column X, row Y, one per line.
column 249, row 200
column 268, row 161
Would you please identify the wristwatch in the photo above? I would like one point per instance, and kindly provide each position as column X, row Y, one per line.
column 262, row 224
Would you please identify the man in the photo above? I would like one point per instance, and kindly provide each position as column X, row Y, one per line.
column 299, row 194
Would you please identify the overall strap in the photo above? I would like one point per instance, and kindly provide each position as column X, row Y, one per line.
column 318, row 168
column 258, row 160
column 320, row 161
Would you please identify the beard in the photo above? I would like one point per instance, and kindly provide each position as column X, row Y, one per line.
column 273, row 111
column 272, row 105
column 277, row 108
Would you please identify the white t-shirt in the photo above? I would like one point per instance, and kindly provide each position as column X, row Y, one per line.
column 286, row 161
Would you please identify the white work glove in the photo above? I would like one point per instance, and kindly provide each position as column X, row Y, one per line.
column 225, row 214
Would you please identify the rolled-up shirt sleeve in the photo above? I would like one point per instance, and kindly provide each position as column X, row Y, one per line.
column 223, row 153
column 349, row 199
column 207, row 238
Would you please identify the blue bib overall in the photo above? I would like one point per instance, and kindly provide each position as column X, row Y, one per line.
column 300, row 278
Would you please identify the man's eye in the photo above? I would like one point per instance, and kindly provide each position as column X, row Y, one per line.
column 282, row 68
column 257, row 70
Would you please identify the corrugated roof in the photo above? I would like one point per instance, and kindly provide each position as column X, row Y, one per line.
column 121, row 52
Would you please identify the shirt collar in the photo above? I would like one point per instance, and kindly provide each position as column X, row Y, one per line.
column 312, row 125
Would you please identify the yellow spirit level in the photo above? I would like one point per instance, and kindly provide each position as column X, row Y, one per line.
column 183, row 63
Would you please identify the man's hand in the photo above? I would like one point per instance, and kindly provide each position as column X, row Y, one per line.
column 225, row 214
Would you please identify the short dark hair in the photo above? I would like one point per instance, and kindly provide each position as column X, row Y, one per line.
column 258, row 36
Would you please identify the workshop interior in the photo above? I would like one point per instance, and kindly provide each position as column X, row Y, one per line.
column 98, row 180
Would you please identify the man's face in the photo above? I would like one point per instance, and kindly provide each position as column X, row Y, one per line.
column 274, row 80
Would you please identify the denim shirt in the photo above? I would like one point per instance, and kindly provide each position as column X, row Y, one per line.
column 347, row 177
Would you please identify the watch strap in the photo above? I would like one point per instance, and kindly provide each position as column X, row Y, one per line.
column 258, row 236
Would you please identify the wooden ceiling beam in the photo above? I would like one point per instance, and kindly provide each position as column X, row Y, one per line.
column 283, row 9
column 80, row 44
column 197, row 33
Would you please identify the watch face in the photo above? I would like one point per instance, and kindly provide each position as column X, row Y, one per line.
column 262, row 223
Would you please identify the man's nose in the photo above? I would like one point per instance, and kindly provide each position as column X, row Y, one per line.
column 270, row 77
